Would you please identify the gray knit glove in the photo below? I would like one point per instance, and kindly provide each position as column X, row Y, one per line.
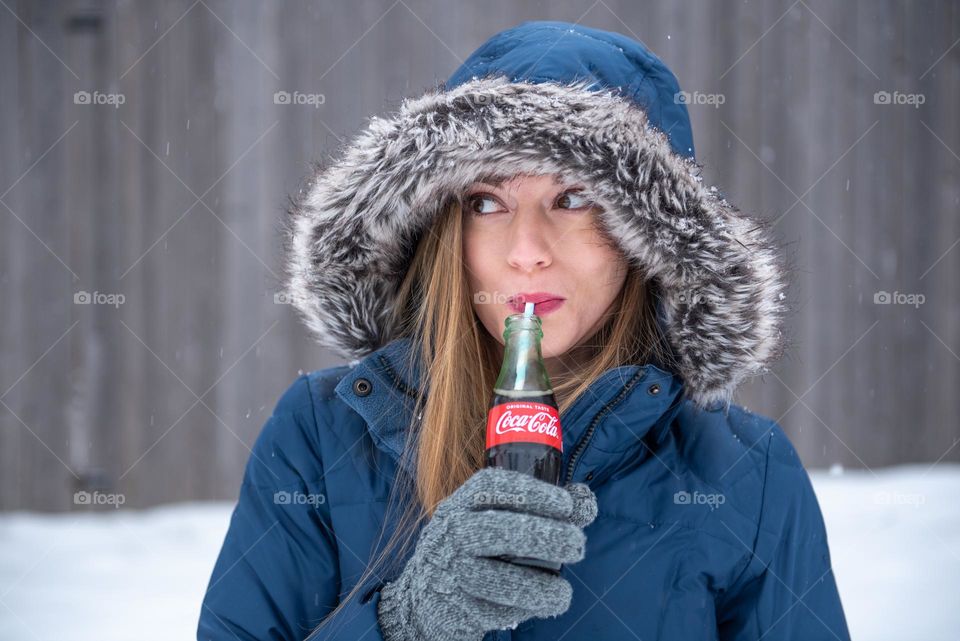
column 449, row 590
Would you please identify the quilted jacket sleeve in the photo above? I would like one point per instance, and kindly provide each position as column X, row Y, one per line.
column 787, row 590
column 277, row 576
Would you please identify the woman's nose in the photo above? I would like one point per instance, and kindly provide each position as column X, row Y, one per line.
column 530, row 242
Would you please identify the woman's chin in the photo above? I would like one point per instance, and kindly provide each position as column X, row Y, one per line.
column 554, row 347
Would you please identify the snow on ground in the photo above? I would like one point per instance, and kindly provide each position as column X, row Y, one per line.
column 895, row 546
column 894, row 537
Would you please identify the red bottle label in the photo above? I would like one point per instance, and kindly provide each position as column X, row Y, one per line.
column 524, row 421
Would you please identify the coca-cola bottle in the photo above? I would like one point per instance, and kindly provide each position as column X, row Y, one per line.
column 523, row 423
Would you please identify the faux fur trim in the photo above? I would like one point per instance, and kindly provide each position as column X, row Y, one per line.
column 353, row 226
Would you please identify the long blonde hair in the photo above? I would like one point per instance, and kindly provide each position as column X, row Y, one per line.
column 446, row 437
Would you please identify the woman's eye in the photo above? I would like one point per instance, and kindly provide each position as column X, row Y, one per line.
column 479, row 204
column 572, row 199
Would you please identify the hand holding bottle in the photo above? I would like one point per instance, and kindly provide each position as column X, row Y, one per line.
column 451, row 588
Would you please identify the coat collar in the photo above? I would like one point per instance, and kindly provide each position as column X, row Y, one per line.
column 616, row 422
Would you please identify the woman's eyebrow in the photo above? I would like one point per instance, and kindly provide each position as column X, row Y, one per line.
column 496, row 182
column 492, row 181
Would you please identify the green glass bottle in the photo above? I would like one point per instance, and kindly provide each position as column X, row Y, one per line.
column 523, row 423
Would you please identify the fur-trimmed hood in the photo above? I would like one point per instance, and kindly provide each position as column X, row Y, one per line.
column 354, row 225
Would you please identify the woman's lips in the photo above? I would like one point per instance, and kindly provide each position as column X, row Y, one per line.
column 540, row 309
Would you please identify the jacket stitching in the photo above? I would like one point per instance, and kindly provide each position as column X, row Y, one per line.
column 397, row 381
column 751, row 554
column 670, row 593
column 609, row 45
column 680, row 524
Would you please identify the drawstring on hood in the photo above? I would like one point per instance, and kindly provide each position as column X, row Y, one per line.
column 544, row 98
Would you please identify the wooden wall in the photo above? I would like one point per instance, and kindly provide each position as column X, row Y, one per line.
column 173, row 200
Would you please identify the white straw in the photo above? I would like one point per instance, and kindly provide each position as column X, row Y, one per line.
column 528, row 309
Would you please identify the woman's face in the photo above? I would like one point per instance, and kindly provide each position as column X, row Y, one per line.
column 531, row 235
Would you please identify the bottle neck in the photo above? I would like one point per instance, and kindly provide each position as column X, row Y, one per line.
column 523, row 369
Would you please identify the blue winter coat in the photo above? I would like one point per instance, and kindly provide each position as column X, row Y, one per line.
column 708, row 526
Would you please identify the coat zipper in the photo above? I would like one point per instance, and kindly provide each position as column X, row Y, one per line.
column 585, row 439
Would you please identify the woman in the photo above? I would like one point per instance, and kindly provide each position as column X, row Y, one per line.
column 558, row 159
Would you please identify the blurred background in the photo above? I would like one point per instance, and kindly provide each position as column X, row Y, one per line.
column 146, row 154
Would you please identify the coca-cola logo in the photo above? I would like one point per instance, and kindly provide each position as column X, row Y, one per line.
column 534, row 423
column 524, row 422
